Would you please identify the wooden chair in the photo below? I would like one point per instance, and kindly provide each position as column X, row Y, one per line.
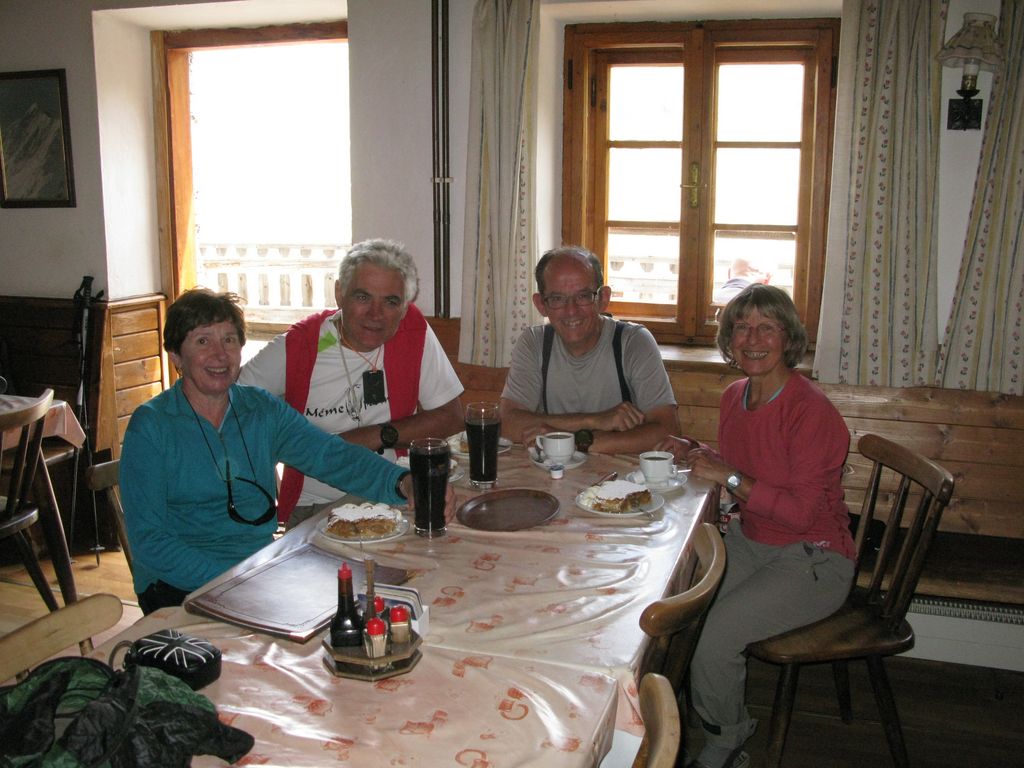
column 105, row 477
column 48, row 635
column 674, row 622
column 872, row 623
column 660, row 712
column 674, row 625
column 17, row 511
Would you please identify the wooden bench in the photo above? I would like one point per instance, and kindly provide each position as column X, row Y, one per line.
column 978, row 436
column 979, row 553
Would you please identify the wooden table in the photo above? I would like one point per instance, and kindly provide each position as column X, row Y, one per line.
column 532, row 652
column 60, row 422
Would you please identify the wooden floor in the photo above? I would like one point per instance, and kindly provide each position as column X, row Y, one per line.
column 20, row 602
column 952, row 714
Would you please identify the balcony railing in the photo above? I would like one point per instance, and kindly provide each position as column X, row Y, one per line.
column 279, row 284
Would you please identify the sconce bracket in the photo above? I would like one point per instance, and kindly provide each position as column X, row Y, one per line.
column 964, row 114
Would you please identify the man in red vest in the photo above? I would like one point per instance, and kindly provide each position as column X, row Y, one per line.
column 372, row 371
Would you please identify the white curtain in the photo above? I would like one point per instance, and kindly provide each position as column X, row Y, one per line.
column 881, row 329
column 500, row 237
column 985, row 335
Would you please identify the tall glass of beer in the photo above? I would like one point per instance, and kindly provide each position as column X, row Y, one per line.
column 483, row 428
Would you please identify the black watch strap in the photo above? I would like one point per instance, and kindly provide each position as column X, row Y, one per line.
column 584, row 438
column 388, row 436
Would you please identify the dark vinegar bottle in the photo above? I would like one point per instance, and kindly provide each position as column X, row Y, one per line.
column 347, row 624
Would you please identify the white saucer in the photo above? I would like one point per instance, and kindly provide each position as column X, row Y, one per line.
column 636, row 476
column 578, row 457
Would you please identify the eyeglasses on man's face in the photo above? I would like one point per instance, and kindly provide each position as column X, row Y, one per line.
column 580, row 299
column 762, row 330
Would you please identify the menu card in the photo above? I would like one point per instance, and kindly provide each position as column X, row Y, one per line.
column 293, row 596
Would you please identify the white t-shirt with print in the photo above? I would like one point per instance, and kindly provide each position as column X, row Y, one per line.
column 336, row 398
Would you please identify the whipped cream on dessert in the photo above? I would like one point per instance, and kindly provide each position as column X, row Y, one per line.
column 362, row 520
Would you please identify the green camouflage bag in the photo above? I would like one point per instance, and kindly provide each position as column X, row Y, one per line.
column 75, row 711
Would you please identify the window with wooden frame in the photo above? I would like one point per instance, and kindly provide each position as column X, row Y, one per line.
column 696, row 157
column 174, row 115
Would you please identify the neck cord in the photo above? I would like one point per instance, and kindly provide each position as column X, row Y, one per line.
column 373, row 364
column 353, row 400
column 227, row 459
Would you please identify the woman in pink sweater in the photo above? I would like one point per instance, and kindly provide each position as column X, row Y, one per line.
column 782, row 446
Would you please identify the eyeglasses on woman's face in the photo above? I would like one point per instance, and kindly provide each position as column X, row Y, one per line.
column 761, row 330
column 580, row 299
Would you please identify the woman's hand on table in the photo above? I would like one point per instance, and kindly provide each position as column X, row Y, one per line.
column 679, row 447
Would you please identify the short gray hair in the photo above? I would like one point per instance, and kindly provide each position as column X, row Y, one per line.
column 386, row 254
column 772, row 302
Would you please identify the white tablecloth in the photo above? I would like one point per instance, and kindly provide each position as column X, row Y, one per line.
column 532, row 651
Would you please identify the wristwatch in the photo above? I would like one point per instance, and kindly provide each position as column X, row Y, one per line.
column 388, row 436
column 398, row 484
column 733, row 481
column 584, row 439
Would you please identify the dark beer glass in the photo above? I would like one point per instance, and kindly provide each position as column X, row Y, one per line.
column 483, row 428
column 429, row 458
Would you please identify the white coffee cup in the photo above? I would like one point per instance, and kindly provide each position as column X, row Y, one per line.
column 557, row 447
column 657, row 466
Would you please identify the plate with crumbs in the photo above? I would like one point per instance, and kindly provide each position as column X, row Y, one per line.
column 619, row 498
column 363, row 524
column 455, row 472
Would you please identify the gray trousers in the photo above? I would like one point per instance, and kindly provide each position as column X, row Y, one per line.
column 766, row 590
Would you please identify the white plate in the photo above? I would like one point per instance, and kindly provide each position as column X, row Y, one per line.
column 578, row 457
column 455, row 472
column 454, row 442
column 400, row 530
column 653, row 505
column 636, row 476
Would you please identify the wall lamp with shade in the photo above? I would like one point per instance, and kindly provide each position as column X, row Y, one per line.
column 974, row 48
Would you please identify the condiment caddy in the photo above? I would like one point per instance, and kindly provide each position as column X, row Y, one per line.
column 374, row 644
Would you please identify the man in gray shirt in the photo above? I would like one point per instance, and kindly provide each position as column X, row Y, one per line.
column 601, row 379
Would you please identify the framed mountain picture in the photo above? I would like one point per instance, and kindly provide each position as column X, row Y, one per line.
column 35, row 141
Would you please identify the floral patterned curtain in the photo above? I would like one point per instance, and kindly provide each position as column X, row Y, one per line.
column 500, row 237
column 885, row 326
column 984, row 348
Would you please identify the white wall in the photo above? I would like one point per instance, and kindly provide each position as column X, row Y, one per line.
column 392, row 192
column 46, row 251
column 959, row 155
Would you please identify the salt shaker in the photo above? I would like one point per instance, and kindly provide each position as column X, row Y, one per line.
column 376, row 638
column 400, row 631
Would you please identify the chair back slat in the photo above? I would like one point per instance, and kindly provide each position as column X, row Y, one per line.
column 909, row 533
column 54, row 632
column 105, row 476
column 24, row 461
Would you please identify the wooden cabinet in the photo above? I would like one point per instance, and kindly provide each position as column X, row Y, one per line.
column 132, row 363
